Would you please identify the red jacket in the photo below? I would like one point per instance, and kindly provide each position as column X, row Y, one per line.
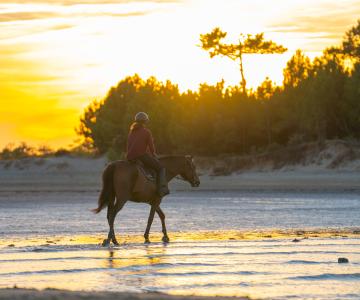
column 140, row 142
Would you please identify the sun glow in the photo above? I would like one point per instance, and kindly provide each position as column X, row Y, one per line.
column 57, row 56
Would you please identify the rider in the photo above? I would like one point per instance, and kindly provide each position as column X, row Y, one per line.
column 140, row 146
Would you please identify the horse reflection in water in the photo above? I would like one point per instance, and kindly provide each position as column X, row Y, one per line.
column 124, row 181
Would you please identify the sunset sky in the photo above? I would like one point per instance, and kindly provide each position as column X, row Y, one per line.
column 57, row 56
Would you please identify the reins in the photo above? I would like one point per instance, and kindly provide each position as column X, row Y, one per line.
column 179, row 177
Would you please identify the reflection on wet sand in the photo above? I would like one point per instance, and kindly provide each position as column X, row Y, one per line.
column 95, row 240
column 259, row 264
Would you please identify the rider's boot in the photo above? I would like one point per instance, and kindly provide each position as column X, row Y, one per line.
column 162, row 185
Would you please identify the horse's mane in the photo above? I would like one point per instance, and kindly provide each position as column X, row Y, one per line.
column 160, row 157
column 171, row 156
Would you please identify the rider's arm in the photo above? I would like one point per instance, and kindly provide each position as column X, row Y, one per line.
column 151, row 144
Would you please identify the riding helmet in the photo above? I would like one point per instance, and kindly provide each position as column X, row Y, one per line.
column 141, row 117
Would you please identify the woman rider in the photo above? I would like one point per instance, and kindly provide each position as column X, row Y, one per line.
column 140, row 146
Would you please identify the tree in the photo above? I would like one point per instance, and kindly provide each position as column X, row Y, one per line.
column 87, row 126
column 248, row 44
column 351, row 42
column 319, row 100
column 264, row 93
column 106, row 123
column 352, row 102
column 297, row 69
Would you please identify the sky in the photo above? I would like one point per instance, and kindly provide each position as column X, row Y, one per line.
column 57, row 56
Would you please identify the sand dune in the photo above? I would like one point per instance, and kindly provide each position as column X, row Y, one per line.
column 334, row 165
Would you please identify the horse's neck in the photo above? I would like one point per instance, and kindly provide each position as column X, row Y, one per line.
column 172, row 169
column 170, row 176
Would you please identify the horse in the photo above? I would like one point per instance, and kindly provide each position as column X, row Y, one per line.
column 125, row 181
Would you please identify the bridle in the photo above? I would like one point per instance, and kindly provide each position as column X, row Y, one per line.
column 192, row 180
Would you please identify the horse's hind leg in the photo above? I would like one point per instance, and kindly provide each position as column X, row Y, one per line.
column 118, row 206
column 111, row 214
column 150, row 220
column 111, row 218
column 161, row 214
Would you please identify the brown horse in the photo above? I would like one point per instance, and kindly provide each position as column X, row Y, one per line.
column 124, row 181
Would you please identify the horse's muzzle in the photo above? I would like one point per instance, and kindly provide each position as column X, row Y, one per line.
column 195, row 183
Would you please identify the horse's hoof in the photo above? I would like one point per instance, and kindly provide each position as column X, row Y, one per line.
column 147, row 241
column 165, row 239
column 115, row 242
column 105, row 243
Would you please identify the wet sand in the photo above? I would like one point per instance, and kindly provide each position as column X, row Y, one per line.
column 207, row 263
column 52, row 294
column 185, row 236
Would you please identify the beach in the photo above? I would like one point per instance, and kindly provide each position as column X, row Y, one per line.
column 257, row 234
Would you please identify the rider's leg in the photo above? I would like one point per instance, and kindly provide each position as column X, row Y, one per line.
column 153, row 163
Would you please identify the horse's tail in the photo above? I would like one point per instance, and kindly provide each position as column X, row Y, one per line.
column 107, row 193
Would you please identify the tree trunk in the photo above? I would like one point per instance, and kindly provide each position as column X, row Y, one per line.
column 243, row 81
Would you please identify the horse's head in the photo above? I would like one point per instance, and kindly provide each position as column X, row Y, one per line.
column 189, row 172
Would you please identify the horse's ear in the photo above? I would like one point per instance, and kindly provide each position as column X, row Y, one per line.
column 189, row 158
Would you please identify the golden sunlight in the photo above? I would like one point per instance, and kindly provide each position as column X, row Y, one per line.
column 57, row 56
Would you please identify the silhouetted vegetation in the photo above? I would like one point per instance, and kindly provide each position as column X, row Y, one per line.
column 24, row 150
column 249, row 44
column 319, row 100
column 17, row 152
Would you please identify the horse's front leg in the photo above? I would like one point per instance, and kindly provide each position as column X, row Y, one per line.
column 150, row 220
column 161, row 215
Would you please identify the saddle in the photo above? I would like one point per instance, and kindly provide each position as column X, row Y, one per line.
column 149, row 173
column 146, row 179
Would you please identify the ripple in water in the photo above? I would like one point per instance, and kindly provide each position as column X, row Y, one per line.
column 261, row 268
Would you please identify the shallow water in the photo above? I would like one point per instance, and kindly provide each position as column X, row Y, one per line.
column 223, row 243
column 49, row 213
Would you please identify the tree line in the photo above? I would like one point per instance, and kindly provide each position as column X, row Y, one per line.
column 318, row 100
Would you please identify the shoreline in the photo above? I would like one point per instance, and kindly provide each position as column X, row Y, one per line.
column 127, row 239
column 54, row 294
